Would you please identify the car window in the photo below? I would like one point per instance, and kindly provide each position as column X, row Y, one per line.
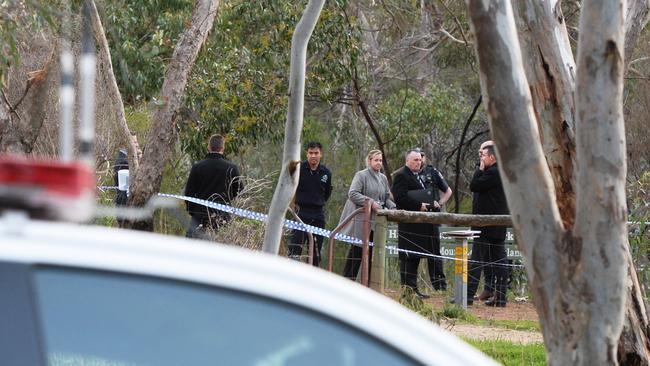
column 108, row 319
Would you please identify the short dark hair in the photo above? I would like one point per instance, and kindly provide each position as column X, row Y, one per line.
column 490, row 150
column 314, row 145
column 216, row 143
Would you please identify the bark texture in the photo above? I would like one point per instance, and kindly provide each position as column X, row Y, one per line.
column 290, row 172
column 445, row 218
column 160, row 139
column 550, row 71
column 587, row 296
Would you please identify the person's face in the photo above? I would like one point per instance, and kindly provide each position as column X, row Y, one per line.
column 313, row 156
column 375, row 162
column 414, row 161
column 487, row 159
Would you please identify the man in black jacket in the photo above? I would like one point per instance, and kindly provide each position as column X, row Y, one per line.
column 415, row 238
column 314, row 189
column 216, row 179
column 489, row 247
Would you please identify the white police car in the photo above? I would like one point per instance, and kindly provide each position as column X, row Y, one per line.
column 81, row 295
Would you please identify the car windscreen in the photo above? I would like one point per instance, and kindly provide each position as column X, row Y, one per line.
column 109, row 319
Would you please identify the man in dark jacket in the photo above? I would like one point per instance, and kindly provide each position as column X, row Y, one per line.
column 412, row 237
column 489, row 247
column 314, row 189
column 432, row 179
column 216, row 179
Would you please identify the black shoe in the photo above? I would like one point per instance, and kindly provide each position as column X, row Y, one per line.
column 485, row 295
column 470, row 302
column 496, row 303
column 420, row 295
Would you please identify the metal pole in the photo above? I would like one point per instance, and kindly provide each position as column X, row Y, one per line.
column 87, row 91
column 460, row 278
column 377, row 275
column 366, row 242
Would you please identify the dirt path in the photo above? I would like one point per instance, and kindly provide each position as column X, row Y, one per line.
column 514, row 311
column 483, row 333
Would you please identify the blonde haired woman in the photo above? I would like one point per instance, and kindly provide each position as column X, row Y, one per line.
column 372, row 184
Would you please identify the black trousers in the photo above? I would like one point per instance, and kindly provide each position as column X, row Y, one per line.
column 299, row 238
column 408, row 271
column 491, row 254
column 353, row 261
column 435, row 265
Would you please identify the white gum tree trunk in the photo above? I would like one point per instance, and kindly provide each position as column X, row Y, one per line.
column 580, row 274
column 289, row 174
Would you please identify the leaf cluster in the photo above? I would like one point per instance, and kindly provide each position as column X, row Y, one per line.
column 240, row 82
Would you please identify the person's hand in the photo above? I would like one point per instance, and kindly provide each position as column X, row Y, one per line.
column 376, row 206
column 436, row 204
column 424, row 207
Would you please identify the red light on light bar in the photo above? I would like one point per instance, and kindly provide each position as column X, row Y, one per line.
column 52, row 176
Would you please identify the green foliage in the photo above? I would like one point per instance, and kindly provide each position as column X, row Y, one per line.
column 407, row 117
column 511, row 354
column 21, row 16
column 239, row 85
column 142, row 36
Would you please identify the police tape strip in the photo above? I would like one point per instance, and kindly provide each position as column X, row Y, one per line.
column 290, row 224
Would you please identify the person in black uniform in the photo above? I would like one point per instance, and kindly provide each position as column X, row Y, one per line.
column 432, row 178
column 416, row 238
column 216, row 179
column 314, row 189
column 489, row 246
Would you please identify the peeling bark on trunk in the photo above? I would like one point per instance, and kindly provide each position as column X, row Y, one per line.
column 550, row 71
column 288, row 180
column 160, row 139
column 588, row 298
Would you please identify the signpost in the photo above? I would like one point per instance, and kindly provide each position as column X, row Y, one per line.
column 460, row 266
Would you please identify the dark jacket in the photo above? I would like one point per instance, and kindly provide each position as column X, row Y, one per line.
column 490, row 199
column 432, row 178
column 215, row 179
column 415, row 237
column 314, row 187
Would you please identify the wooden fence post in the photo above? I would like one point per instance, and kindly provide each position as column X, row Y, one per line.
column 379, row 255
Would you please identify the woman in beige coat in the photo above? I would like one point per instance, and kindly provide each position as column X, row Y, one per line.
column 371, row 184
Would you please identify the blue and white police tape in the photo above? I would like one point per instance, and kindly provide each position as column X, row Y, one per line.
column 290, row 224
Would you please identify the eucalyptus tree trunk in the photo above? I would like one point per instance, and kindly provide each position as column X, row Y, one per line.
column 160, row 139
column 114, row 91
column 550, row 71
column 290, row 172
column 580, row 273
